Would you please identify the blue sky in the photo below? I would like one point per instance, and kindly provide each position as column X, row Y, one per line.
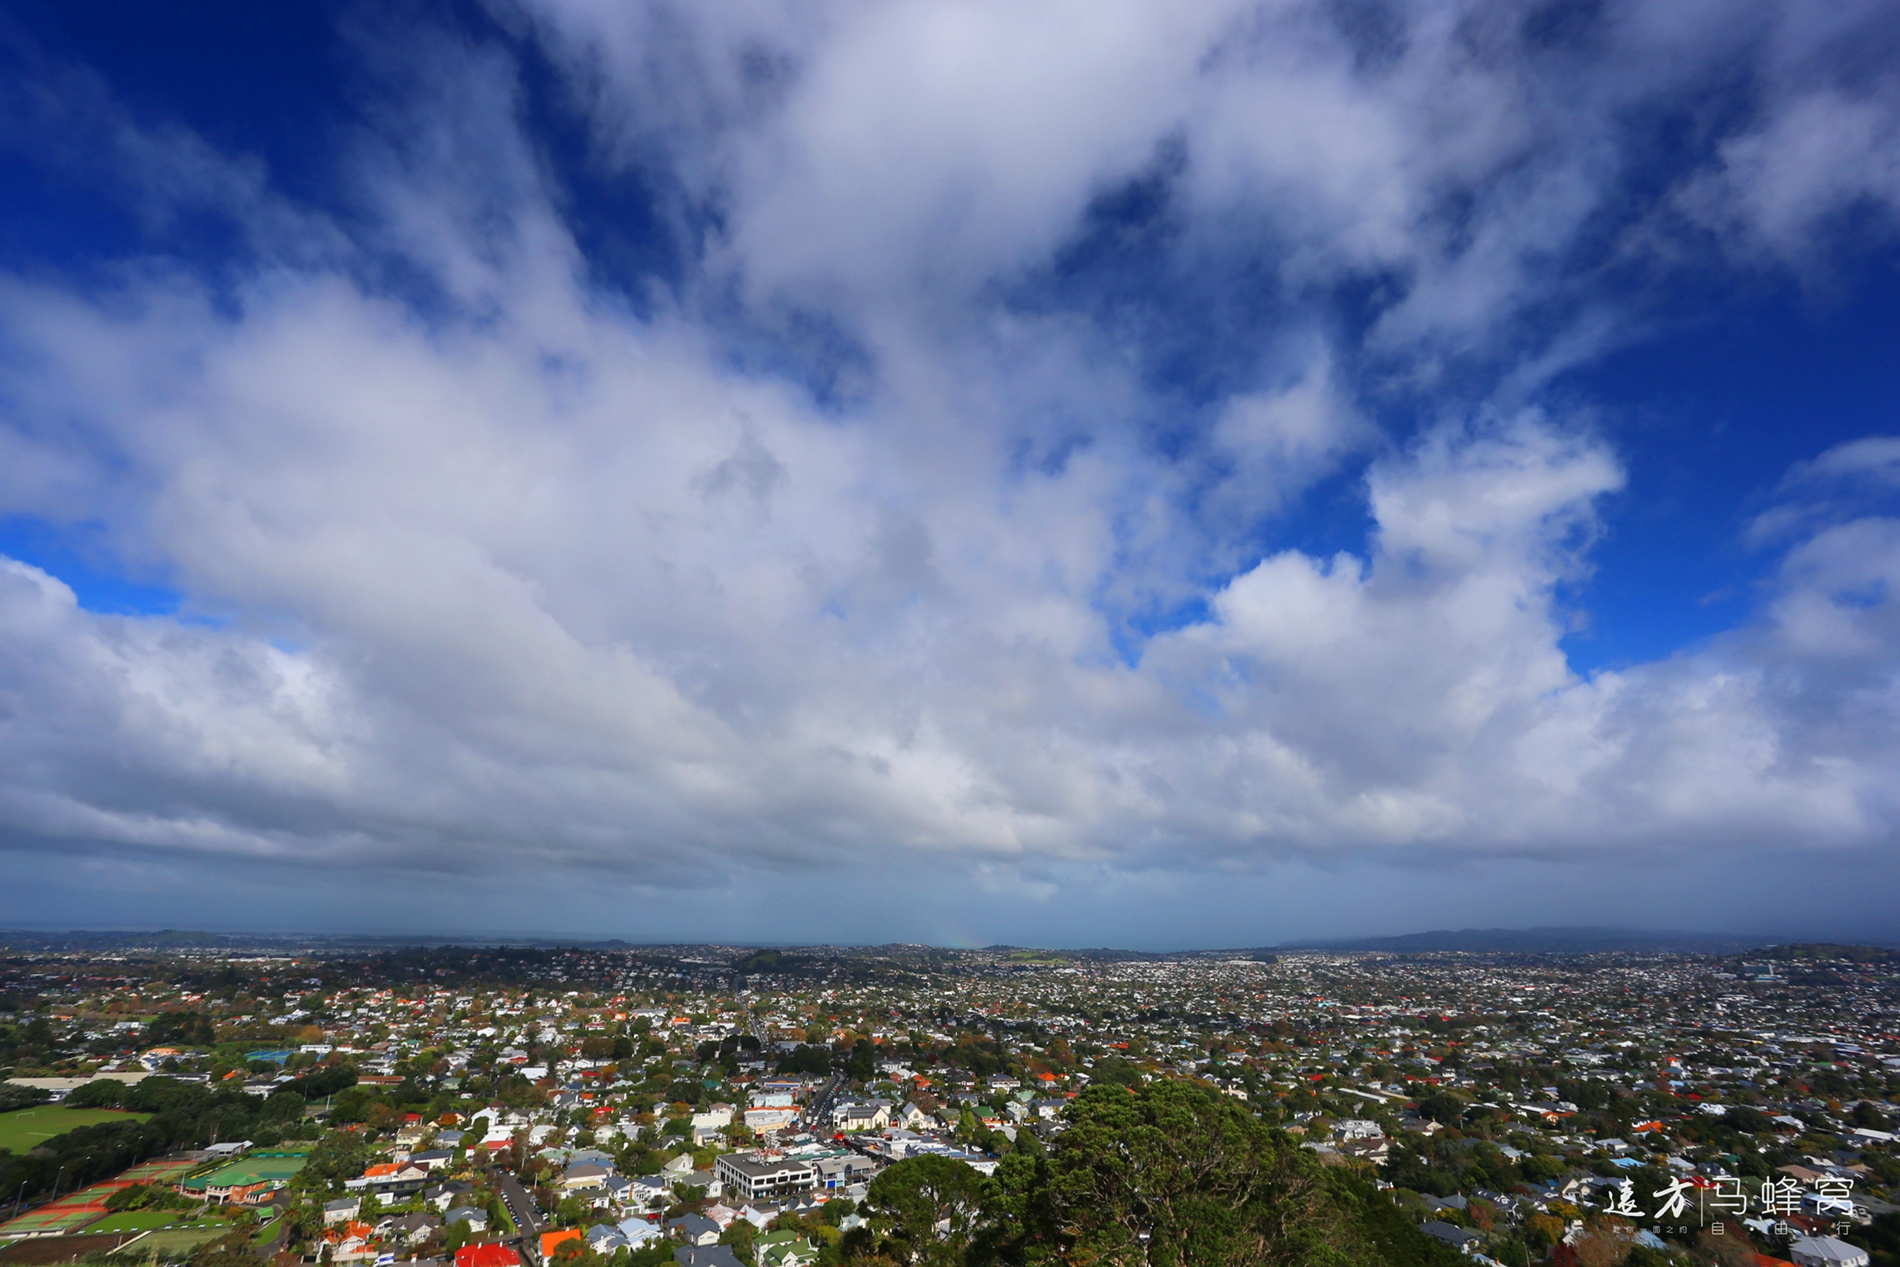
column 1068, row 474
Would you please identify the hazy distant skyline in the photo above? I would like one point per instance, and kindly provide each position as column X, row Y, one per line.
column 1137, row 474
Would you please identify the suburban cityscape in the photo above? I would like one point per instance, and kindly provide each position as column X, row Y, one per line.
column 527, row 1106
column 949, row 633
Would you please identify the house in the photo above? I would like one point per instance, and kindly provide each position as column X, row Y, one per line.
column 587, row 1174
column 695, row 1229
column 604, row 1239
column 474, row 1216
column 432, row 1159
column 706, row 1256
column 353, row 1246
column 784, row 1249
column 699, row 1185
column 1375, row 1149
column 714, row 1118
column 393, row 1178
column 1462, row 1239
column 489, row 1254
column 552, row 1241
column 445, row 1195
column 1825, row 1251
column 862, row 1115
column 410, row 1229
column 343, row 1211
column 649, row 1190
column 764, row 1121
column 639, row 1232
column 911, row 1117
column 838, row 1173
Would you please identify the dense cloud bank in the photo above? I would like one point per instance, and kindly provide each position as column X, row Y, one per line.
column 938, row 505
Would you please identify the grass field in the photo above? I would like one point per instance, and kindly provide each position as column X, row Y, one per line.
column 135, row 1221
column 23, row 1130
column 180, row 1239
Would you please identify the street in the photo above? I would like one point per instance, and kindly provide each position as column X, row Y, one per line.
column 522, row 1209
column 818, row 1112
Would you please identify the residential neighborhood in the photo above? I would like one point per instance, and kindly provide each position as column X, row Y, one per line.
column 514, row 1107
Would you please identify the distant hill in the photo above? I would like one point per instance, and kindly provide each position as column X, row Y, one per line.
column 1554, row 940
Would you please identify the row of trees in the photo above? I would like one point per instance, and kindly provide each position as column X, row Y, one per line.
column 183, row 1115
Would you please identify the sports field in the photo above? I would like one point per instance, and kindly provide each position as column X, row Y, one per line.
column 77, row 1209
column 185, row 1240
column 23, row 1130
column 50, row 1220
column 68, row 1214
column 134, row 1221
column 161, row 1171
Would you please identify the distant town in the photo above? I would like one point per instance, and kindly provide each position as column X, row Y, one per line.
column 716, row 1106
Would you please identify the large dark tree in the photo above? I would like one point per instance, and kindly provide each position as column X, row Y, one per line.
column 1167, row 1175
column 933, row 1207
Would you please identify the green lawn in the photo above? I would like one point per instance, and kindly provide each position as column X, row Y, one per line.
column 183, row 1240
column 23, row 1130
column 135, row 1221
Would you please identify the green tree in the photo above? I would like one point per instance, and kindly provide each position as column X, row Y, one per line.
column 338, row 1156
column 742, row 1238
column 1173, row 1175
column 101, row 1093
column 933, row 1208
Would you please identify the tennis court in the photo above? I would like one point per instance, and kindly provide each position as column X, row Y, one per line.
column 164, row 1171
column 48, row 1221
column 77, row 1209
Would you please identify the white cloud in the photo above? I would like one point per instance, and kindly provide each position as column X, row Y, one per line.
column 1824, row 155
column 522, row 580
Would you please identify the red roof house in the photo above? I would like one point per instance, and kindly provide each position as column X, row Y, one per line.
column 492, row 1254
